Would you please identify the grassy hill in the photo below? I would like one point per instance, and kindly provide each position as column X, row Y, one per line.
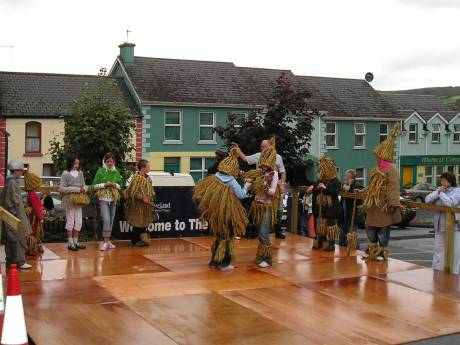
column 449, row 94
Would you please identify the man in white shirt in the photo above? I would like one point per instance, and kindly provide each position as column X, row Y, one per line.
column 252, row 160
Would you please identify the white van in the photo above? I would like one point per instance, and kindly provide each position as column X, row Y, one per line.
column 164, row 179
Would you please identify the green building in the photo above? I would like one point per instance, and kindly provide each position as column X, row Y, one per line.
column 183, row 100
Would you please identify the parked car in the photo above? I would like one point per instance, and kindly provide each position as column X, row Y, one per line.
column 418, row 192
column 46, row 180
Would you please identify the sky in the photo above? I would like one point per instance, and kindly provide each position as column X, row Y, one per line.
column 404, row 43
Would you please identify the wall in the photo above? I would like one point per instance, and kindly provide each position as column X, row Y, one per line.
column 348, row 157
column 154, row 148
column 16, row 145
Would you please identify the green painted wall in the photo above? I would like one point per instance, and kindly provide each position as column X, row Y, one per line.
column 154, row 128
column 346, row 156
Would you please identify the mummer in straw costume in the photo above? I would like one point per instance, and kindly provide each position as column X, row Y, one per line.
column 326, row 206
column 266, row 201
column 218, row 198
column 381, row 201
column 35, row 212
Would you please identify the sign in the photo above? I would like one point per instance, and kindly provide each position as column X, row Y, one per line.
column 178, row 216
column 430, row 160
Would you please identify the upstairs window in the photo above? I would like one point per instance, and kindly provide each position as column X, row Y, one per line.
column 33, row 137
column 435, row 133
column 413, row 132
column 360, row 135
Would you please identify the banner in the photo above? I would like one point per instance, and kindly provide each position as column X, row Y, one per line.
column 178, row 216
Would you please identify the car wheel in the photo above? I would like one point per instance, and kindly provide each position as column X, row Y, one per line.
column 419, row 199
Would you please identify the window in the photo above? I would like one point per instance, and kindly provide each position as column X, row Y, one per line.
column 173, row 126
column 49, row 170
column 172, row 164
column 33, row 137
column 207, row 124
column 239, row 117
column 383, row 131
column 199, row 167
column 458, row 173
column 361, row 176
column 360, row 135
column 429, row 174
column 457, row 133
column 451, row 169
column 413, row 132
column 439, row 171
column 331, row 135
column 435, row 133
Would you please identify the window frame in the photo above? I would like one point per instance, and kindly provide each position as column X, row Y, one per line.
column 245, row 115
column 180, row 125
column 26, row 151
column 456, row 132
column 363, row 146
column 213, row 140
column 430, row 175
column 415, row 132
column 364, row 178
column 387, row 132
column 326, row 134
column 433, row 132
column 204, row 169
column 442, row 167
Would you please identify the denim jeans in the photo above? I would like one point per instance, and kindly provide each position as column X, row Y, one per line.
column 264, row 228
column 108, row 210
column 378, row 235
column 305, row 223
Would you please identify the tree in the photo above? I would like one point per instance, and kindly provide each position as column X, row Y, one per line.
column 96, row 122
column 288, row 116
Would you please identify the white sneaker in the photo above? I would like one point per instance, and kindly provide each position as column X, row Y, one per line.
column 103, row 246
column 237, row 238
column 264, row 264
column 111, row 245
column 227, row 268
column 25, row 266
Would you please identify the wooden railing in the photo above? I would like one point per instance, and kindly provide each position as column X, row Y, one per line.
column 8, row 218
column 449, row 211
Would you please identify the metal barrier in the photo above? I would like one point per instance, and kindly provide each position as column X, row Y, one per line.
column 450, row 219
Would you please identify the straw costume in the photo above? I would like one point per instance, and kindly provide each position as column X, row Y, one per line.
column 138, row 213
column 381, row 202
column 326, row 206
column 265, row 206
column 218, row 197
column 35, row 213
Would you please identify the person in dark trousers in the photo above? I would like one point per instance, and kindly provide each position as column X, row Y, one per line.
column 349, row 186
column 326, row 206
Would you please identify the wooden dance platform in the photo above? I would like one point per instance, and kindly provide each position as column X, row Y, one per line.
column 166, row 295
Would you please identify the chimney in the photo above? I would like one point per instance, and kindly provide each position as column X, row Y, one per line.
column 127, row 52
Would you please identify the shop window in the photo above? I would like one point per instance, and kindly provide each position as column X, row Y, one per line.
column 429, row 174
column 199, row 167
column 172, row 164
column 439, row 171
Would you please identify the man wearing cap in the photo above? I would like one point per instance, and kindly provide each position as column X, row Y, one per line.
column 11, row 200
column 279, row 168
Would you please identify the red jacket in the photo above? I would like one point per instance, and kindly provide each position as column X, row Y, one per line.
column 37, row 210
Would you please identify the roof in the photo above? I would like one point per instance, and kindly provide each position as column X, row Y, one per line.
column 159, row 80
column 46, row 94
column 347, row 97
column 425, row 105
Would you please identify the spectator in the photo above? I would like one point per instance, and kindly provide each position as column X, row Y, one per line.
column 350, row 185
column 446, row 195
